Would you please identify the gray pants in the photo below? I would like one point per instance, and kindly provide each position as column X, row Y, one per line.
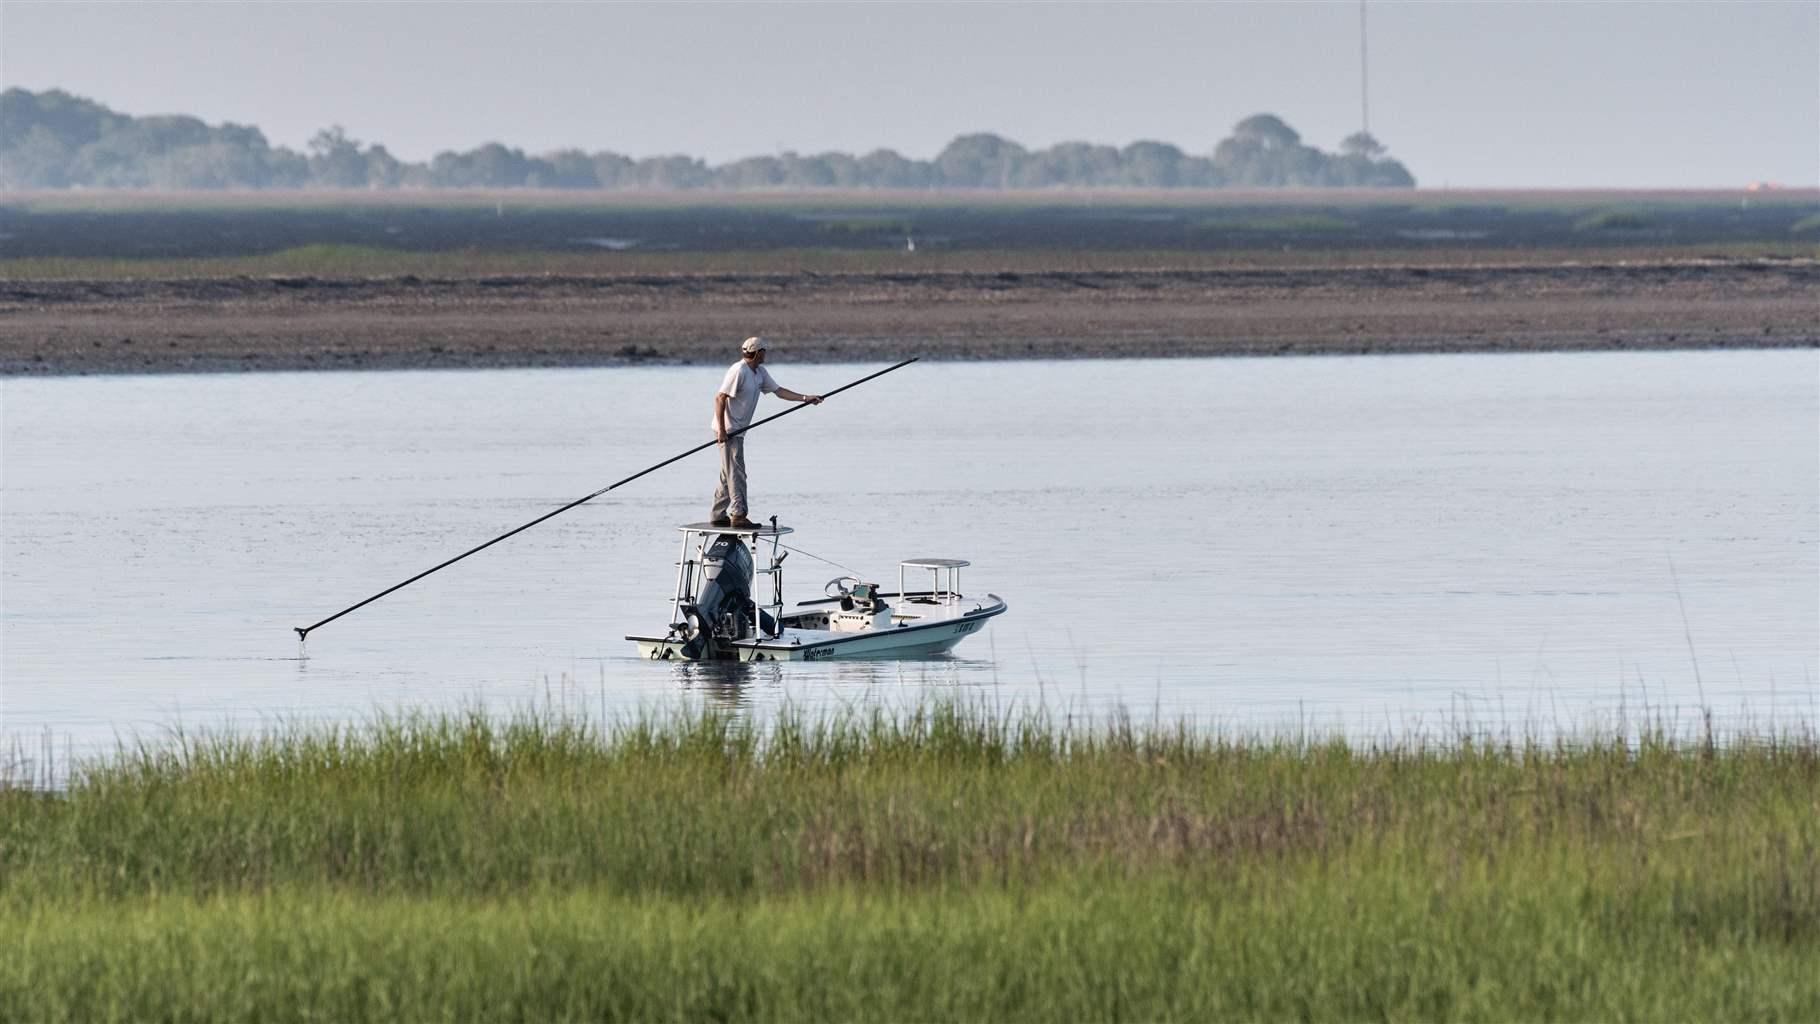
column 730, row 496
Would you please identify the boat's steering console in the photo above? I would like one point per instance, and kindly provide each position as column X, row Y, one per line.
column 855, row 594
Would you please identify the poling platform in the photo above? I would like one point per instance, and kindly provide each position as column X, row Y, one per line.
column 757, row 530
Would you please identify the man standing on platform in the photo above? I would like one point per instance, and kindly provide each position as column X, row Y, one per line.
column 733, row 407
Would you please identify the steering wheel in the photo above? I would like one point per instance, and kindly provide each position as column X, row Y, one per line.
column 837, row 587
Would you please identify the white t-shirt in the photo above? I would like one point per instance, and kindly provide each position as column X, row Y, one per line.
column 742, row 386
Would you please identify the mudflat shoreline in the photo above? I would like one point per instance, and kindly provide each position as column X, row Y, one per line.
column 243, row 323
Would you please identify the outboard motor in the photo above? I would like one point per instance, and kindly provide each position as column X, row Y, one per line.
column 723, row 601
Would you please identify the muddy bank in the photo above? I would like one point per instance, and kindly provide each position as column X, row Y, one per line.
column 245, row 323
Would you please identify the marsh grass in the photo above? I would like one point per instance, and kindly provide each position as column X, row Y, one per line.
column 942, row 861
column 364, row 262
column 1308, row 223
column 1615, row 220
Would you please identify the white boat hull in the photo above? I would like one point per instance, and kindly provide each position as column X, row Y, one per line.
column 933, row 629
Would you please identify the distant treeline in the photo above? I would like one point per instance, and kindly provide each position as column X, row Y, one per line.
column 53, row 140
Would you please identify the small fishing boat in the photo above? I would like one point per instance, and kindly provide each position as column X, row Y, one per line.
column 718, row 613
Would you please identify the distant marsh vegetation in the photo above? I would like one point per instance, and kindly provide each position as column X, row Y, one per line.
column 557, row 229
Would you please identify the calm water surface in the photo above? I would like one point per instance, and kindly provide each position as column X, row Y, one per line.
column 1379, row 545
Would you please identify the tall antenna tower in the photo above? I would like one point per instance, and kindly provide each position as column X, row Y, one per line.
column 1364, row 81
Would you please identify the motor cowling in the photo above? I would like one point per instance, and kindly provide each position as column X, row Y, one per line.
column 726, row 579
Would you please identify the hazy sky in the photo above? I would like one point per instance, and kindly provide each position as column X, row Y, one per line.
column 1648, row 94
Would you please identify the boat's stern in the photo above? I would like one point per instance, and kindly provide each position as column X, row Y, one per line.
column 654, row 648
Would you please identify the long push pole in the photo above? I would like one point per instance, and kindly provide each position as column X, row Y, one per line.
column 303, row 632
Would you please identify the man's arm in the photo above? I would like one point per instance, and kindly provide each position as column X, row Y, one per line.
column 720, row 416
column 790, row 396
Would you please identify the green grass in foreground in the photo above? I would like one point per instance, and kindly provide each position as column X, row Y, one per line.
column 941, row 863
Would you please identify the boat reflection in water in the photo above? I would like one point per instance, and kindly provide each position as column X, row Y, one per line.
column 858, row 686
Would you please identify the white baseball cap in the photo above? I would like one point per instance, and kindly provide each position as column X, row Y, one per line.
column 752, row 344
